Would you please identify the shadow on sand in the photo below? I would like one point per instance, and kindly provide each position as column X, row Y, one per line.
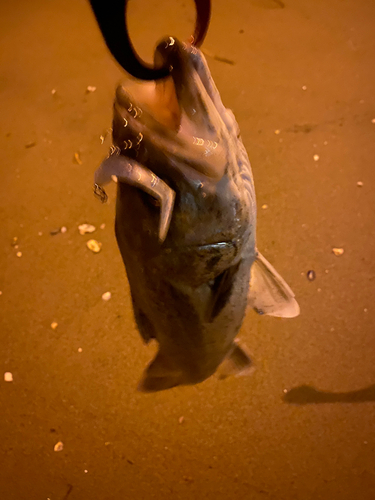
column 305, row 394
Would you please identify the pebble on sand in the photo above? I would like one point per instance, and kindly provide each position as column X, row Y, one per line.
column 90, row 88
column 77, row 158
column 311, row 275
column 86, row 228
column 19, row 254
column 359, row 183
column 8, row 377
column 106, row 296
column 316, row 157
column 58, row 446
column 338, row 251
column 265, row 206
column 94, row 246
column 54, row 325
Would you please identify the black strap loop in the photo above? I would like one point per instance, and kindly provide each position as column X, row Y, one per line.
column 111, row 17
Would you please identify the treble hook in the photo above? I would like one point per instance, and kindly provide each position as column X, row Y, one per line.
column 111, row 17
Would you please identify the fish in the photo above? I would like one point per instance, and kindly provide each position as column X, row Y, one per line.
column 185, row 222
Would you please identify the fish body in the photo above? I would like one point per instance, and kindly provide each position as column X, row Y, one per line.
column 186, row 222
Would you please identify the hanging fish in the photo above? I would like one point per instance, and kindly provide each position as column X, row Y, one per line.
column 186, row 221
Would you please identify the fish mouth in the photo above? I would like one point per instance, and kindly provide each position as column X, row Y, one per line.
column 176, row 114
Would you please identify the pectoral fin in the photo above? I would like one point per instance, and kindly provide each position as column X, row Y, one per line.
column 238, row 362
column 268, row 293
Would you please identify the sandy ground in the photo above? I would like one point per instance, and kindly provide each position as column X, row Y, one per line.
column 306, row 69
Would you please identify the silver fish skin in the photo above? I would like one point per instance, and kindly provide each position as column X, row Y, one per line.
column 186, row 221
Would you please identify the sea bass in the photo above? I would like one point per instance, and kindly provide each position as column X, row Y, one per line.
column 186, row 222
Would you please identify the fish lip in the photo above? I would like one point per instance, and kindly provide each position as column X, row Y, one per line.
column 219, row 244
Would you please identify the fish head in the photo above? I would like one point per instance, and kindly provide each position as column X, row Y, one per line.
column 179, row 132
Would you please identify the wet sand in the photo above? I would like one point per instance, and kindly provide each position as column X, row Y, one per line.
column 301, row 83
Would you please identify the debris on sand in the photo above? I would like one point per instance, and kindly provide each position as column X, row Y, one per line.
column 359, row 183
column 77, row 158
column 19, row 254
column 181, row 419
column 338, row 251
column 8, row 377
column 94, row 246
column 311, row 275
column 106, row 296
column 86, row 228
column 54, row 325
column 58, row 446
column 316, row 157
column 90, row 88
